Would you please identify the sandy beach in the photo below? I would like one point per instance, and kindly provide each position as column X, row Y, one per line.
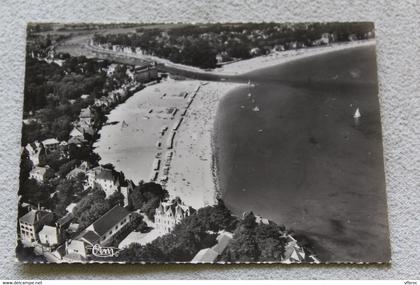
column 131, row 143
column 163, row 134
column 191, row 176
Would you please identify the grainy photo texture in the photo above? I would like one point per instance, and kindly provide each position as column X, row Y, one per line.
column 204, row 143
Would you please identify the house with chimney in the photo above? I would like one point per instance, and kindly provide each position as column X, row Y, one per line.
column 170, row 213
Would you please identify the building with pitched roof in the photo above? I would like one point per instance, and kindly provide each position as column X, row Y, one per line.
column 38, row 173
column 31, row 223
column 50, row 145
column 51, row 236
column 293, row 252
column 34, row 150
column 209, row 255
column 168, row 214
column 101, row 232
column 105, row 178
column 86, row 116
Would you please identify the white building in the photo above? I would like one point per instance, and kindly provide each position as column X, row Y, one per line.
column 168, row 214
column 105, row 178
column 51, row 145
column 50, row 235
column 38, row 173
column 293, row 252
column 86, row 116
column 34, row 150
column 31, row 223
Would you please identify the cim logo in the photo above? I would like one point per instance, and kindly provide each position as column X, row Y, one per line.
column 100, row 251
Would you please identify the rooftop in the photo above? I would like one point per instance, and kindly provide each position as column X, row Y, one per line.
column 50, row 141
column 34, row 216
column 109, row 220
column 205, row 255
column 91, row 237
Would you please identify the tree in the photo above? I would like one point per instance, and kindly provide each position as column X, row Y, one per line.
column 34, row 193
column 147, row 197
column 90, row 208
column 244, row 246
column 65, row 168
column 116, row 198
column 148, row 253
column 137, row 223
column 271, row 242
column 217, row 217
column 68, row 191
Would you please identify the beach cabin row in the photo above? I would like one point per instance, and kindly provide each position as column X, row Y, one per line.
column 177, row 125
column 170, row 141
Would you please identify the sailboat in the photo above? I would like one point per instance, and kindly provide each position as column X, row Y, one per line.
column 357, row 114
column 356, row 117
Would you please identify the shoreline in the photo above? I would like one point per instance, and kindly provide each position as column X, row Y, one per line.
column 199, row 118
column 193, row 174
column 247, row 65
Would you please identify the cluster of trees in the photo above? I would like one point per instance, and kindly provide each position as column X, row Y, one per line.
column 146, row 198
column 92, row 206
column 48, row 91
column 255, row 242
column 66, row 192
column 251, row 241
column 52, row 94
column 52, row 102
column 192, row 234
column 198, row 45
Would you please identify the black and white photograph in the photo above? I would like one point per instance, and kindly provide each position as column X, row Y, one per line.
column 202, row 143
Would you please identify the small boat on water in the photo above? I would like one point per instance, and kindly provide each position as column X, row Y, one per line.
column 256, row 109
column 357, row 114
column 356, row 117
column 249, row 94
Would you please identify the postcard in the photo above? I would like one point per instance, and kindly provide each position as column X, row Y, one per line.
column 202, row 143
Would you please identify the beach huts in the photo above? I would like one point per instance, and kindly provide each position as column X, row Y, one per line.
column 156, row 164
column 163, row 130
column 154, row 176
column 170, row 140
column 177, row 125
